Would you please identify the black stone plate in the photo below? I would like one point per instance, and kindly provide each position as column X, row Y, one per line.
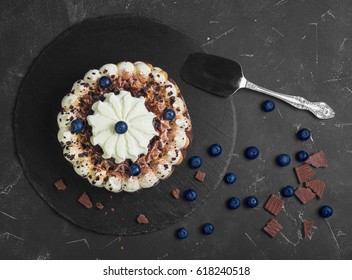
column 91, row 44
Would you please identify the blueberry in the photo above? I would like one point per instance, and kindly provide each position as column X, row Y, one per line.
column 208, row 228
column 121, row 127
column 268, row 105
column 283, row 160
column 302, row 156
column 169, row 114
column 182, row 233
column 215, row 150
column 190, row 195
column 251, row 152
column 252, row 201
column 195, row 162
column 287, row 191
column 233, row 203
column 77, row 126
column 134, row 169
column 303, row 134
column 325, row 211
column 104, row 82
column 230, row 178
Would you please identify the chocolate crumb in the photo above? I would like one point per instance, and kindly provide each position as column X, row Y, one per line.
column 274, row 205
column 99, row 205
column 272, row 228
column 307, row 227
column 141, row 219
column 305, row 195
column 85, row 200
column 317, row 160
column 60, row 185
column 176, row 193
column 200, row 176
column 304, row 172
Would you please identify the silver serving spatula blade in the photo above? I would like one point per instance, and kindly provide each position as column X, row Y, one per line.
column 224, row 77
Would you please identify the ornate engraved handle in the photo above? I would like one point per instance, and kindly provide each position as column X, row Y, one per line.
column 320, row 109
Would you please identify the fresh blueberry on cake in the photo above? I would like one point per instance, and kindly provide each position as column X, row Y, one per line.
column 124, row 126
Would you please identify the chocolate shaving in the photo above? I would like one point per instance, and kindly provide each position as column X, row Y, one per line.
column 176, row 193
column 85, row 200
column 141, row 219
column 272, row 228
column 99, row 205
column 200, row 176
column 60, row 185
column 274, row 205
column 316, row 186
column 307, row 227
column 305, row 195
column 304, row 172
column 317, row 160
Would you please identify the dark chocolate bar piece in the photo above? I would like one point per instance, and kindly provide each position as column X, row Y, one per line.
column 200, row 176
column 307, row 227
column 60, row 185
column 317, row 159
column 274, row 205
column 316, row 186
column 305, row 195
column 85, row 200
column 304, row 172
column 272, row 228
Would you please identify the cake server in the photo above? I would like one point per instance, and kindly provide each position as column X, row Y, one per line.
column 224, row 77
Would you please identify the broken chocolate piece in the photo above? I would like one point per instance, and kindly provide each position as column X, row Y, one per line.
column 60, row 185
column 99, row 205
column 272, row 228
column 304, row 172
column 142, row 219
column 200, row 176
column 317, row 186
column 85, row 200
column 317, row 160
column 176, row 193
column 307, row 227
column 274, row 205
column 305, row 195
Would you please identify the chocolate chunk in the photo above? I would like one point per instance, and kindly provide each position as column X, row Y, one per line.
column 305, row 195
column 60, row 185
column 141, row 219
column 307, row 227
column 317, row 186
column 99, row 205
column 176, row 193
column 304, row 172
column 85, row 200
column 272, row 228
column 274, row 205
column 200, row 176
column 317, row 159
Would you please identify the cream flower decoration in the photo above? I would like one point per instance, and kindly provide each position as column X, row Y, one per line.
column 122, row 126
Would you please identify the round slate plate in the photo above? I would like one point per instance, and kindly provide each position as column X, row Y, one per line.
column 92, row 44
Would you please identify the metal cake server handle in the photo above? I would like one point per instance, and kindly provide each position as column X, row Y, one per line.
column 224, row 77
column 320, row 109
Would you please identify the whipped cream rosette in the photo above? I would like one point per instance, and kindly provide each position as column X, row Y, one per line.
column 125, row 126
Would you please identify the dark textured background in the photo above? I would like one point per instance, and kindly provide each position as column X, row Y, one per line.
column 295, row 47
